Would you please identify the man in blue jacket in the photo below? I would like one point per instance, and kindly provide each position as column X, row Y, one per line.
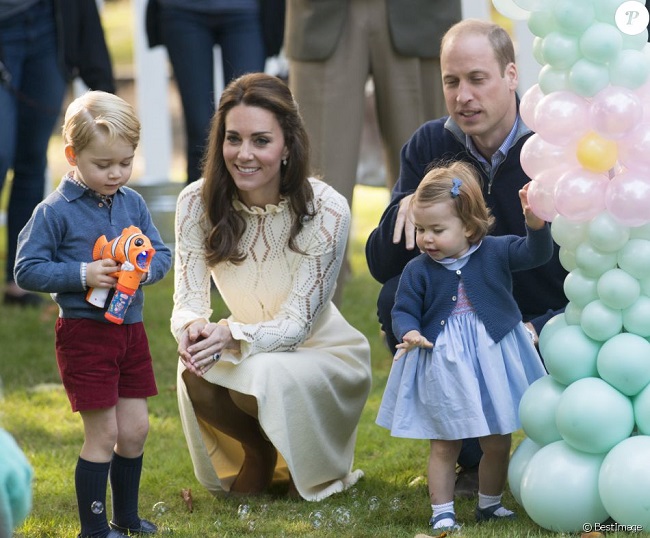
column 483, row 128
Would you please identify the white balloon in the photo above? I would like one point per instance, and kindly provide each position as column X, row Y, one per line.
column 511, row 10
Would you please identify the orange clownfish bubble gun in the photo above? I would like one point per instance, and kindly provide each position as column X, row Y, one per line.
column 133, row 251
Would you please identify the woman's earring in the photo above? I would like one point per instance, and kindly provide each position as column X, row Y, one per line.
column 284, row 162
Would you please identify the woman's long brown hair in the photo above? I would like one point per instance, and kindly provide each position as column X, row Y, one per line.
column 227, row 225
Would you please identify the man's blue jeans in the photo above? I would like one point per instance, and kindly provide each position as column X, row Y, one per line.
column 190, row 38
column 30, row 103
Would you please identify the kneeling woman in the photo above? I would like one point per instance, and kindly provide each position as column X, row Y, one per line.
column 275, row 391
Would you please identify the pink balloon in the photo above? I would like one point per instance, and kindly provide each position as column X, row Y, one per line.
column 580, row 194
column 540, row 195
column 634, row 149
column 643, row 93
column 528, row 104
column 616, row 111
column 562, row 117
column 538, row 155
column 628, row 198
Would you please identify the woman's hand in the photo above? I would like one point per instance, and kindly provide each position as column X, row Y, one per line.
column 202, row 343
column 411, row 339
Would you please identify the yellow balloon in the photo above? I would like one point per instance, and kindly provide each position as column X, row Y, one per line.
column 596, row 153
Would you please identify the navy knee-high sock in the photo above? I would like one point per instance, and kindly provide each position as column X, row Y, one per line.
column 125, row 485
column 90, row 482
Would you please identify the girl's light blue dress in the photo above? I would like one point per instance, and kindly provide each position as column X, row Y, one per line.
column 466, row 386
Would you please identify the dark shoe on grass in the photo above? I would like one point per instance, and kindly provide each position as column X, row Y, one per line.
column 146, row 527
column 111, row 534
column 466, row 483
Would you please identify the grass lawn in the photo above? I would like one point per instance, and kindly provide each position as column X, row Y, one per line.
column 391, row 501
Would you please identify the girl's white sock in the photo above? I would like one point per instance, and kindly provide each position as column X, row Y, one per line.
column 485, row 501
column 441, row 509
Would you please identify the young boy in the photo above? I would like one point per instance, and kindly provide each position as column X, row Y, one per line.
column 105, row 367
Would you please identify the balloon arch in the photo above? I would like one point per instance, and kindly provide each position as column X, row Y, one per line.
column 585, row 456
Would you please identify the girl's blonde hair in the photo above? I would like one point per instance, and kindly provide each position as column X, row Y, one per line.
column 99, row 112
column 466, row 195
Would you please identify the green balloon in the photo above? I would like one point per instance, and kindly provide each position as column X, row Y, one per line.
column 629, row 69
column 593, row 416
column 624, row 362
column 645, row 285
column 572, row 313
column 537, row 50
column 573, row 16
column 559, row 488
column 601, row 322
column 636, row 318
column 518, row 462
column 568, row 233
column 605, row 10
column 571, row 355
column 641, row 404
column 635, row 42
column 553, row 80
column 624, row 482
column 541, row 23
column 587, row 78
column 567, row 258
column 606, row 233
column 537, row 410
column 601, row 42
column 634, row 258
column 549, row 329
column 580, row 289
column 594, row 262
column 618, row 289
column 640, row 232
column 560, row 50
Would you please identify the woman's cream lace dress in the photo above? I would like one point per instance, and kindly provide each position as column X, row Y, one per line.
column 308, row 368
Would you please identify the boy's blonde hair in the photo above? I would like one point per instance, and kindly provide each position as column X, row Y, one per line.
column 467, row 197
column 95, row 112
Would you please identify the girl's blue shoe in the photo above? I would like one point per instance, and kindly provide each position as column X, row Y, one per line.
column 487, row 514
column 445, row 515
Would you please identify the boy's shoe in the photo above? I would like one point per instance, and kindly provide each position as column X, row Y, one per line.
column 146, row 527
column 445, row 515
column 487, row 514
column 111, row 534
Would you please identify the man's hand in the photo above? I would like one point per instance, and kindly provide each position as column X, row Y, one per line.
column 404, row 223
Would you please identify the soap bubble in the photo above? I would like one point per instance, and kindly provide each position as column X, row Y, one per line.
column 395, row 504
column 373, row 503
column 97, row 507
column 243, row 511
column 159, row 508
column 342, row 516
column 317, row 519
